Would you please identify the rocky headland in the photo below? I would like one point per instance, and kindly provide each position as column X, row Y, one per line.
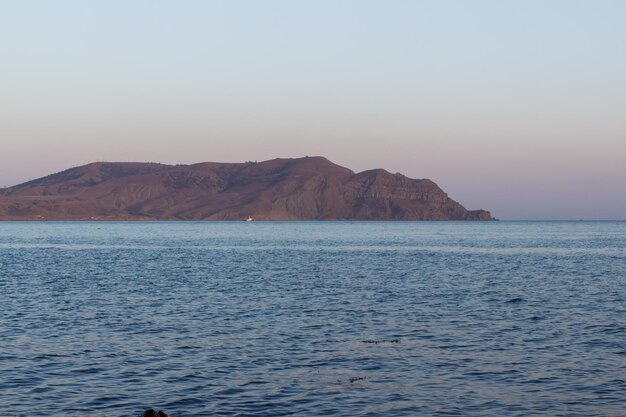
column 309, row 188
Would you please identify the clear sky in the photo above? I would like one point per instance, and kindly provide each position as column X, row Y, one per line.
column 518, row 107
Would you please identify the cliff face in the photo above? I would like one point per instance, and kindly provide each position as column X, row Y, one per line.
column 310, row 188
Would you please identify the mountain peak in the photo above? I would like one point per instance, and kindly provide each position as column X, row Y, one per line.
column 304, row 188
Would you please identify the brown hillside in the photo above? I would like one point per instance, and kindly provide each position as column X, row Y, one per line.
column 310, row 188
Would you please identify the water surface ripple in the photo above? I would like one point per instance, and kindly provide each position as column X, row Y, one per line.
column 313, row 318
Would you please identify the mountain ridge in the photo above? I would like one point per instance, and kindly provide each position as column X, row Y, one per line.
column 308, row 188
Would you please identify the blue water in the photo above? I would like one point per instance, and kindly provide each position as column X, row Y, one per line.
column 313, row 319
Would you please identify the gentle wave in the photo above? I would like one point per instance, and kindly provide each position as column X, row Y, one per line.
column 553, row 251
column 375, row 319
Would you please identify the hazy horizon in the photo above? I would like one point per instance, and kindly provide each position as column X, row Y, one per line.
column 515, row 108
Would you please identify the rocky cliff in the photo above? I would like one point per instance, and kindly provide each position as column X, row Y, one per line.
column 310, row 188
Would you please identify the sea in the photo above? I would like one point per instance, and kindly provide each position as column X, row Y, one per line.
column 313, row 318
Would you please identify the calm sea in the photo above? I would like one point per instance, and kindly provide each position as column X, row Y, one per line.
column 313, row 319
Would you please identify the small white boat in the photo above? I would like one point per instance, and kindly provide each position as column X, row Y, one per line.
column 249, row 219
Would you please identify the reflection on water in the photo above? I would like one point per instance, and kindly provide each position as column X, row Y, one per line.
column 306, row 318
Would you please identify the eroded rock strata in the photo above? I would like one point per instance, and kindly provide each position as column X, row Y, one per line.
column 310, row 188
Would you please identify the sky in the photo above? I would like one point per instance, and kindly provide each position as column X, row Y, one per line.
column 517, row 107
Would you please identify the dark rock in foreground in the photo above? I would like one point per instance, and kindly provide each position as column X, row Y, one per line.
column 151, row 413
column 311, row 188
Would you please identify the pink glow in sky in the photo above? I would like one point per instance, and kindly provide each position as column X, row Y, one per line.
column 514, row 107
